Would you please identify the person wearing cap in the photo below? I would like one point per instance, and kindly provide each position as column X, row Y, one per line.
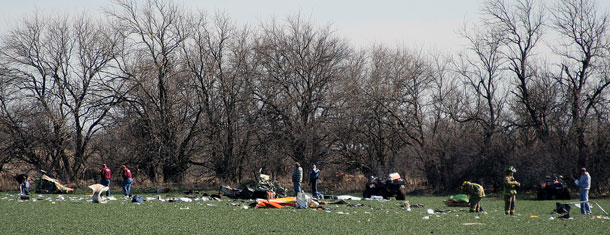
column 510, row 191
column 584, row 182
column 297, row 178
column 127, row 180
column 105, row 174
column 475, row 192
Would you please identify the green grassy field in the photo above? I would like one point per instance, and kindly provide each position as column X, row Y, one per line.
column 229, row 217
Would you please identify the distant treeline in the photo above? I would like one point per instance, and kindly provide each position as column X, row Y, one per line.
column 175, row 93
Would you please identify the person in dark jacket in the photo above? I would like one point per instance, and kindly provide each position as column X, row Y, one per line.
column 24, row 186
column 106, row 174
column 314, row 175
column 297, row 178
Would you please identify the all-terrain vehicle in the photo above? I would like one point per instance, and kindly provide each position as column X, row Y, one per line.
column 392, row 186
column 553, row 187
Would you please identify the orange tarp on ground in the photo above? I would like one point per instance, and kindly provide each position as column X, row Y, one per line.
column 276, row 203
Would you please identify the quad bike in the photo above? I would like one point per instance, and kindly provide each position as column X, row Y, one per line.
column 393, row 186
column 553, row 187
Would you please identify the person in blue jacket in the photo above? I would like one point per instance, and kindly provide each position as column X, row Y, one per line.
column 585, row 184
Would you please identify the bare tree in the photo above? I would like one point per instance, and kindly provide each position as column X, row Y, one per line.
column 445, row 136
column 481, row 73
column 406, row 75
column 160, row 96
column 60, row 65
column 584, row 49
column 298, row 64
column 522, row 26
column 7, row 129
column 220, row 60
column 370, row 139
column 382, row 124
column 481, row 70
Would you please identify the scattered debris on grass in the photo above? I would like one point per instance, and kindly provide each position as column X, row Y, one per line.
column 261, row 187
column 348, row 197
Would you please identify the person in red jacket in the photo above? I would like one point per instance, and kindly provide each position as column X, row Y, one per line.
column 106, row 173
column 127, row 180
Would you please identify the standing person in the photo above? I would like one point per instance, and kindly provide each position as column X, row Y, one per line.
column 313, row 180
column 475, row 192
column 585, row 184
column 106, row 173
column 24, row 187
column 297, row 178
column 510, row 191
column 127, row 180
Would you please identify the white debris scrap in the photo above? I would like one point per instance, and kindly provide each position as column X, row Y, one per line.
column 348, row 197
column 184, row 199
column 98, row 189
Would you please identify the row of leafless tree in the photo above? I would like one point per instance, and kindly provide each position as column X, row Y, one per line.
column 177, row 93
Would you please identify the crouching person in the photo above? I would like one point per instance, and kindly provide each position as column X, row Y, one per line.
column 475, row 193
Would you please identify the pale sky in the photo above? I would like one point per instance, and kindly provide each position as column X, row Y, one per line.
column 412, row 23
column 431, row 24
